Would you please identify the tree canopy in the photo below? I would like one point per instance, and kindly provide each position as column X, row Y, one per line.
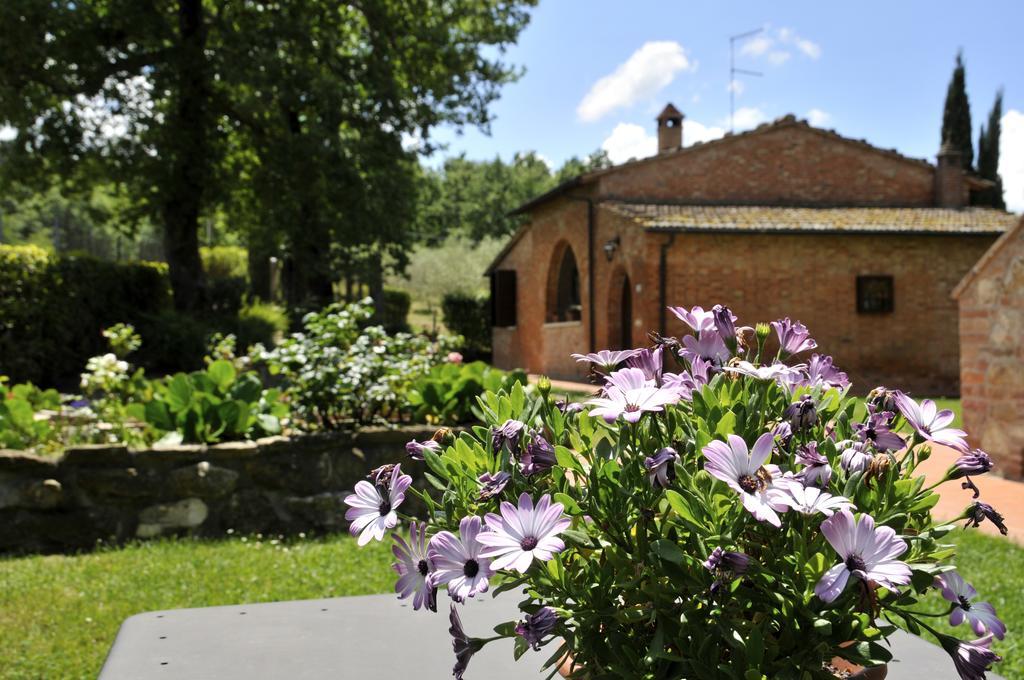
column 988, row 154
column 288, row 116
column 956, row 115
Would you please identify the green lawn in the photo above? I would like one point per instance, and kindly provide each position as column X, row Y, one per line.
column 59, row 615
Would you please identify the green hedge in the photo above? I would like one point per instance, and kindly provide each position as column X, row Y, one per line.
column 470, row 317
column 395, row 312
column 53, row 309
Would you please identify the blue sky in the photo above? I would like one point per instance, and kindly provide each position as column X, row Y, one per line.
column 598, row 71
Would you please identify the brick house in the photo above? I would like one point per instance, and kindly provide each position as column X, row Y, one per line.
column 991, row 299
column 862, row 244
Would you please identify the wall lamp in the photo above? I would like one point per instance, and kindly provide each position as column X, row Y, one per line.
column 610, row 247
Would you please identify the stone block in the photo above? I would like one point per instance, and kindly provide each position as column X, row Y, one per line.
column 184, row 514
column 97, row 455
column 28, row 492
column 323, row 511
column 116, row 485
column 19, row 462
column 203, row 480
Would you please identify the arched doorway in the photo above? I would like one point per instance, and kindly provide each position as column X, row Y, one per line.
column 563, row 291
column 620, row 311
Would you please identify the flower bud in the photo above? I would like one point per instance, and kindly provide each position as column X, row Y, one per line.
column 762, row 330
column 544, row 386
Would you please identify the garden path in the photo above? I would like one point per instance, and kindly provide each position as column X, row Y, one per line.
column 1004, row 495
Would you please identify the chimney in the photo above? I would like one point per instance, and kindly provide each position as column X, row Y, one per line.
column 950, row 187
column 670, row 129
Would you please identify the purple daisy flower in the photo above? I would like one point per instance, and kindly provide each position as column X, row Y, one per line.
column 981, row 511
column 535, row 626
column 696, row 318
column 458, row 562
column 931, row 423
column 868, row 553
column 971, row 659
column 725, row 323
column 606, row 360
column 876, row 431
column 661, row 469
column 415, row 449
column 809, row 500
column 821, row 372
column 783, row 432
column 793, row 336
column 977, row 462
column 492, row 485
column 414, row 568
column 629, row 394
column 508, row 433
column 649, row 361
column 817, row 471
column 708, row 347
column 537, row 456
column 854, row 457
column 758, row 484
column 519, row 535
column 568, row 407
column 735, row 562
column 463, row 645
column 802, row 413
column 776, row 371
column 372, row 510
column 980, row 615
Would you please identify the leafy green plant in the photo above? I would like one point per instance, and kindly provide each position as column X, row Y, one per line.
column 448, row 394
column 19, row 427
column 214, row 405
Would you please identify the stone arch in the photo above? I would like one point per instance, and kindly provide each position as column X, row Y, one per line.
column 563, row 301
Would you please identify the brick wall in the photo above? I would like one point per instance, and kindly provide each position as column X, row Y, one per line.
column 992, row 355
column 787, row 163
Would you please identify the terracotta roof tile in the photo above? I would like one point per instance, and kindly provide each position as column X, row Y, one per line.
column 788, row 220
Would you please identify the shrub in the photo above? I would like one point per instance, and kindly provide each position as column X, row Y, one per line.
column 261, row 322
column 448, row 394
column 224, row 262
column 53, row 309
column 338, row 373
column 19, row 427
column 741, row 517
column 470, row 317
column 394, row 315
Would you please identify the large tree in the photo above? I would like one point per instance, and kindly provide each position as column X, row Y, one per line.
column 296, row 110
column 956, row 116
column 988, row 155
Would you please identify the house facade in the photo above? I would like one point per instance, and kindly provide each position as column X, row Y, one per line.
column 861, row 244
column 991, row 299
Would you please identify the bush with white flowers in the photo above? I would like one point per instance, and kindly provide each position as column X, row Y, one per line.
column 720, row 508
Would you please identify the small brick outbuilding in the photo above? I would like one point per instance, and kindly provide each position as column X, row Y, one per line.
column 862, row 244
column 991, row 299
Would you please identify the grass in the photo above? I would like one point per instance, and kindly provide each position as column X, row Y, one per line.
column 60, row 614
column 995, row 567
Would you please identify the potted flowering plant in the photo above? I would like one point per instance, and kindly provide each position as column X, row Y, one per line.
column 721, row 508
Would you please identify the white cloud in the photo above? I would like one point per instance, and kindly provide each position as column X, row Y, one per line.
column 748, row 117
column 772, row 46
column 757, row 46
column 736, row 86
column 1011, row 159
column 647, row 71
column 694, row 132
column 7, row 133
column 629, row 140
column 818, row 118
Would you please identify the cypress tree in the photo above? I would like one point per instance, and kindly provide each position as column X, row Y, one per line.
column 956, row 117
column 988, row 154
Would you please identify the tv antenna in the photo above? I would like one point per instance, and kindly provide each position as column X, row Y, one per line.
column 733, row 71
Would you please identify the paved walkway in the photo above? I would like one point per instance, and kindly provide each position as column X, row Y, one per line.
column 1004, row 495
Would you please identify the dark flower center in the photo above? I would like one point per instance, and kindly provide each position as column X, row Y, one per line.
column 965, row 604
column 471, row 568
column 528, row 543
column 632, row 408
column 385, row 506
column 856, row 563
column 423, row 568
column 870, row 433
column 748, row 483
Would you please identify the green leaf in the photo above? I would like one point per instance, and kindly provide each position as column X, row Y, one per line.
column 157, row 415
column 681, row 507
column 179, row 392
column 221, row 373
column 727, row 425
column 571, row 507
column 668, row 551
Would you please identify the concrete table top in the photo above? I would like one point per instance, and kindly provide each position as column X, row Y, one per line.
column 371, row 637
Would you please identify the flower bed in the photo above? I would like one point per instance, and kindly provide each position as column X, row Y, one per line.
column 734, row 514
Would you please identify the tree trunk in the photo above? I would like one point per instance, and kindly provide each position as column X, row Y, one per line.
column 189, row 158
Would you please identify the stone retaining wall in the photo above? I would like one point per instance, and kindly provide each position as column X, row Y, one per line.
column 277, row 485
